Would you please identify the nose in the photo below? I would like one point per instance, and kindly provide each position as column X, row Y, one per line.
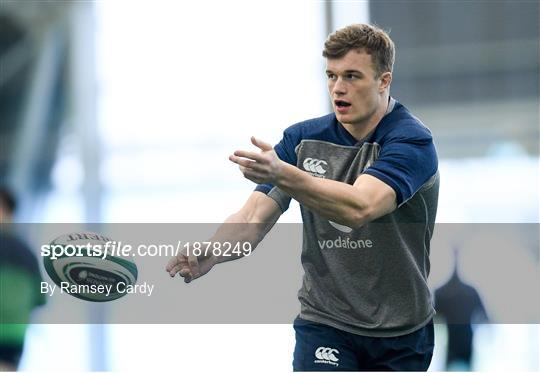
column 339, row 87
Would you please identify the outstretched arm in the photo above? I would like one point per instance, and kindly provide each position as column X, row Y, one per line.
column 352, row 205
column 249, row 224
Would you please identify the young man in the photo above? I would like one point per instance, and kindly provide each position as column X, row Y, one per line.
column 367, row 182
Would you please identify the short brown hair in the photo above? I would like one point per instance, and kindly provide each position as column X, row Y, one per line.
column 362, row 37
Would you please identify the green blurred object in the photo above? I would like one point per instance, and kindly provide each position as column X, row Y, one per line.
column 19, row 291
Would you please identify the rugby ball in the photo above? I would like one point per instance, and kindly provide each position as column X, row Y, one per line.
column 84, row 265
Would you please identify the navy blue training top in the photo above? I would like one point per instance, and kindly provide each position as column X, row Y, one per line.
column 406, row 156
column 369, row 280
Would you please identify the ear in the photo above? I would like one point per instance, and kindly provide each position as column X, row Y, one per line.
column 385, row 81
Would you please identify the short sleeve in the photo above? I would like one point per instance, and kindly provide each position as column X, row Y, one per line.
column 406, row 161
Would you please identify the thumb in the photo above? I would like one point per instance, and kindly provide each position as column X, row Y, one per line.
column 261, row 144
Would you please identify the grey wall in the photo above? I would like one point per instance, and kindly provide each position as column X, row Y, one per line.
column 469, row 69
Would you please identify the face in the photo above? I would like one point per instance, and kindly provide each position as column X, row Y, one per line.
column 355, row 92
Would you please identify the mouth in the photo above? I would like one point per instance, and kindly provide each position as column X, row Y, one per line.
column 342, row 106
column 342, row 103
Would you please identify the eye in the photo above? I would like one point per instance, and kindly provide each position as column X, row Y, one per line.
column 352, row 76
column 331, row 76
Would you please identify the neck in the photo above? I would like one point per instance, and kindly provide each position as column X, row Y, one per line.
column 360, row 130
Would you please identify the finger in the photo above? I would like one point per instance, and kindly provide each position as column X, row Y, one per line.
column 171, row 264
column 176, row 263
column 254, row 176
column 181, row 262
column 174, row 270
column 261, row 144
column 186, row 274
column 193, row 262
column 250, row 155
column 242, row 162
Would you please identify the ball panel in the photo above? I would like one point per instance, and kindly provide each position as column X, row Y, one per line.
column 92, row 271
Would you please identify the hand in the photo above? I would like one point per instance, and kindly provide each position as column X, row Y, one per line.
column 261, row 168
column 189, row 266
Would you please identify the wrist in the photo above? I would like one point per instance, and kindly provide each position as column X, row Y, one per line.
column 290, row 178
column 214, row 259
column 281, row 174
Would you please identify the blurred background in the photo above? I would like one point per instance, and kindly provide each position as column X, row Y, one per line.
column 127, row 111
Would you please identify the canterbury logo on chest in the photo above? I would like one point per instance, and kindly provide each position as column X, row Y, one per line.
column 315, row 166
column 337, row 162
